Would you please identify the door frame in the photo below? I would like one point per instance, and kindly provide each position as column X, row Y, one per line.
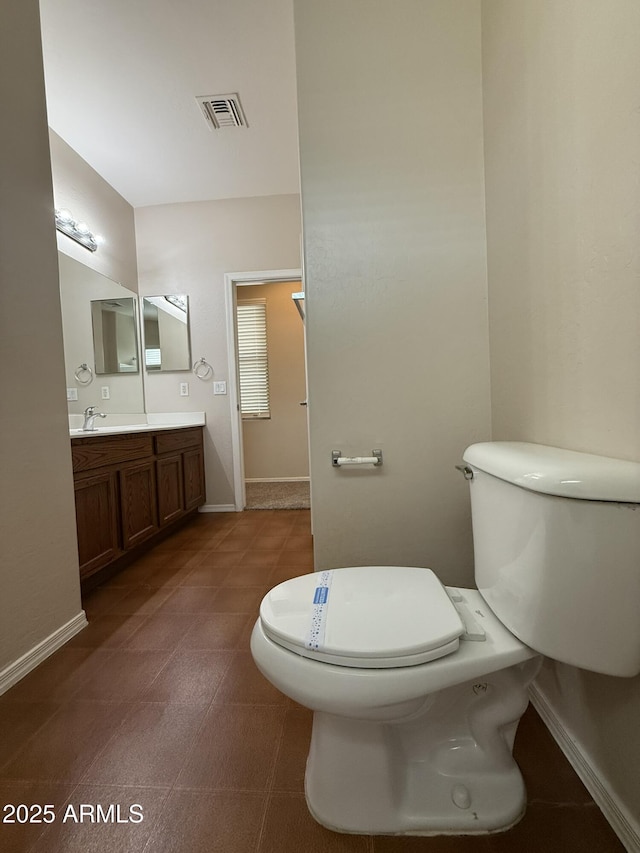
column 232, row 280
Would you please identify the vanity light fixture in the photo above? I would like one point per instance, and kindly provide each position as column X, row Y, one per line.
column 78, row 231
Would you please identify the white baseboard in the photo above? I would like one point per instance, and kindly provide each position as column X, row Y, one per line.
column 622, row 823
column 217, row 508
column 11, row 674
column 277, row 480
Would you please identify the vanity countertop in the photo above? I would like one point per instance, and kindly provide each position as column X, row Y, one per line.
column 151, row 422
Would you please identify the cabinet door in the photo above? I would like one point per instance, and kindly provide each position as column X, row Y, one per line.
column 137, row 503
column 96, row 521
column 194, row 490
column 170, row 488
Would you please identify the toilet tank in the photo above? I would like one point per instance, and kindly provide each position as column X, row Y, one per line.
column 557, row 550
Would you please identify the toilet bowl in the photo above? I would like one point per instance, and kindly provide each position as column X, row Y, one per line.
column 363, row 680
column 417, row 688
column 399, row 654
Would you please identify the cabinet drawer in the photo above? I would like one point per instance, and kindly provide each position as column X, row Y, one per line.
column 88, row 453
column 172, row 440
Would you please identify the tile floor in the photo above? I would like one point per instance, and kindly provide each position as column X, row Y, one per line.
column 157, row 703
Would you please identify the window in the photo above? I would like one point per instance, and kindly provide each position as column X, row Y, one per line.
column 152, row 357
column 252, row 358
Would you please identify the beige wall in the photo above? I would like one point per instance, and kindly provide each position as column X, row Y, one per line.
column 390, row 116
column 562, row 131
column 82, row 191
column 277, row 448
column 562, row 136
column 39, row 563
column 188, row 248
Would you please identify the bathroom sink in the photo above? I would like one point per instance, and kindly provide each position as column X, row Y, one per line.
column 110, row 430
column 155, row 422
column 122, row 428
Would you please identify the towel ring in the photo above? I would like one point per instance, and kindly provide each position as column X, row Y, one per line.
column 84, row 375
column 202, row 369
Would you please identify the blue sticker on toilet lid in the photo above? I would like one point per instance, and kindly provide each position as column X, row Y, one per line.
column 315, row 637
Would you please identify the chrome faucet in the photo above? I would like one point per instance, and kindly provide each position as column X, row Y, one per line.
column 90, row 414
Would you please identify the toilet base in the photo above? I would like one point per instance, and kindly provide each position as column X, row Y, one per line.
column 446, row 769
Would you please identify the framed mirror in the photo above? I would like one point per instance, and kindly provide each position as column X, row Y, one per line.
column 115, row 336
column 167, row 341
column 80, row 286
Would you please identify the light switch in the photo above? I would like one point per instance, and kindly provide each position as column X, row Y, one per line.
column 219, row 387
column 184, row 389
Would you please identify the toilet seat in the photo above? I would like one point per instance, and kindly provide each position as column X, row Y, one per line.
column 364, row 616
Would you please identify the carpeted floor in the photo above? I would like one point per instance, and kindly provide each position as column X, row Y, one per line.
column 292, row 494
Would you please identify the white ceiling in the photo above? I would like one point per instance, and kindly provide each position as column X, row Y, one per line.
column 122, row 78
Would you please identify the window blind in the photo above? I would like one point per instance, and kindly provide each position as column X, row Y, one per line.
column 253, row 365
column 152, row 357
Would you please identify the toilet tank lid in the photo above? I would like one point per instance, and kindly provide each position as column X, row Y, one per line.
column 555, row 471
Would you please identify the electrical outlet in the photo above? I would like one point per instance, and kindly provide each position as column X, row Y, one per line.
column 105, row 392
column 72, row 394
column 184, row 389
column 219, row 387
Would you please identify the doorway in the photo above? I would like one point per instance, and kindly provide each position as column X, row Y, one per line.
column 270, row 446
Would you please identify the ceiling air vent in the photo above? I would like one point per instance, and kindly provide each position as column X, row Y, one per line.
column 222, row 111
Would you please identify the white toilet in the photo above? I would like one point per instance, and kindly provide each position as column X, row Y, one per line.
column 417, row 689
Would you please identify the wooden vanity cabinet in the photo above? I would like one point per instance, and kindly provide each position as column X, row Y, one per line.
column 193, row 470
column 96, row 521
column 138, row 512
column 180, row 472
column 170, row 488
column 131, row 488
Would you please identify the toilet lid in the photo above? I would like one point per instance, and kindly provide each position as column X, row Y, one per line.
column 363, row 616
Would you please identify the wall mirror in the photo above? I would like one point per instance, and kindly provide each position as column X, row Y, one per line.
column 80, row 286
column 115, row 335
column 167, row 342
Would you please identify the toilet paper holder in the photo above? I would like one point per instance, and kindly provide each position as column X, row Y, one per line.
column 338, row 460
